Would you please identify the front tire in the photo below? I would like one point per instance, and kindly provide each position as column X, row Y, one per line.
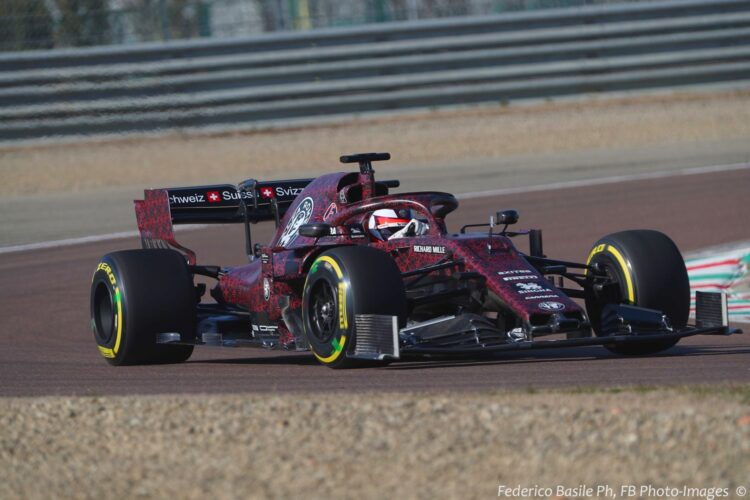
column 342, row 283
column 650, row 272
column 136, row 294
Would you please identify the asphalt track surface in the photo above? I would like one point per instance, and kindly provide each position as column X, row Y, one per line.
column 46, row 346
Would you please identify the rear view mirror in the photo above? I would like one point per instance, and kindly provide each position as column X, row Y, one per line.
column 315, row 230
column 507, row 217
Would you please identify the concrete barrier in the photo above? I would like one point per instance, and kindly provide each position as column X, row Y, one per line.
column 377, row 68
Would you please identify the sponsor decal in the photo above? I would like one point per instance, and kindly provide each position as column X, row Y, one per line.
column 597, row 249
column 214, row 196
column 526, row 288
column 108, row 352
column 227, row 195
column 342, row 197
column 356, row 231
column 551, row 306
column 434, row 249
column 266, row 289
column 331, row 211
column 541, row 290
column 517, row 278
column 285, row 192
column 264, row 258
column 300, row 216
column 268, row 192
column 343, row 321
column 188, row 198
column 265, row 328
column 103, row 266
column 529, row 286
column 515, row 271
column 537, row 297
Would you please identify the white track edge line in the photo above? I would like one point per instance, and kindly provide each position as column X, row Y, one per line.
column 464, row 196
column 43, row 245
column 605, row 180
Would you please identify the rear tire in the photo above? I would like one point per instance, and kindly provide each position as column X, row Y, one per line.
column 136, row 294
column 650, row 272
column 343, row 282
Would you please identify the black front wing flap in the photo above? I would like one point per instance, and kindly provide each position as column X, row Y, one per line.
column 633, row 337
column 621, row 324
column 463, row 335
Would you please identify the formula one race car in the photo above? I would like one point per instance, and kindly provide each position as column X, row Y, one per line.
column 357, row 275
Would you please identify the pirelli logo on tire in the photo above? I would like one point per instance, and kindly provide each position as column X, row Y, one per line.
column 114, row 296
column 343, row 320
column 103, row 266
column 331, row 264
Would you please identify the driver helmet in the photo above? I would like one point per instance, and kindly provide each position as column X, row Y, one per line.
column 385, row 222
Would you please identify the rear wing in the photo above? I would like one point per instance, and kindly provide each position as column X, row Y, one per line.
column 222, row 203
column 214, row 204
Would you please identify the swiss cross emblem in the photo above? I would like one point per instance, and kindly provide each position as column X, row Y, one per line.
column 266, row 192
column 213, row 197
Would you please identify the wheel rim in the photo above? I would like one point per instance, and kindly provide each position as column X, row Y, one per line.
column 323, row 311
column 104, row 315
column 613, row 274
column 596, row 309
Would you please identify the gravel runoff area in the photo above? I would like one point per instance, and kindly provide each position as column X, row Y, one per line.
column 380, row 445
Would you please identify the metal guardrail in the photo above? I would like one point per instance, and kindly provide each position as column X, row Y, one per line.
column 379, row 68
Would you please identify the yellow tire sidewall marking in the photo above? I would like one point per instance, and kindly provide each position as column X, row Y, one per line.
column 625, row 270
column 106, row 351
column 334, row 265
column 623, row 266
column 597, row 249
column 343, row 318
column 336, row 353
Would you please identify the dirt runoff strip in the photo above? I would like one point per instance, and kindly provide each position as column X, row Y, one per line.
column 673, row 121
column 395, row 445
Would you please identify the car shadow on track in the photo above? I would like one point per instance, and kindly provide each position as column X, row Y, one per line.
column 301, row 359
column 508, row 358
column 565, row 356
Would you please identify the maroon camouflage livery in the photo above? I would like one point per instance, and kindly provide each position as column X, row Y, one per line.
column 492, row 294
column 345, row 201
column 155, row 222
